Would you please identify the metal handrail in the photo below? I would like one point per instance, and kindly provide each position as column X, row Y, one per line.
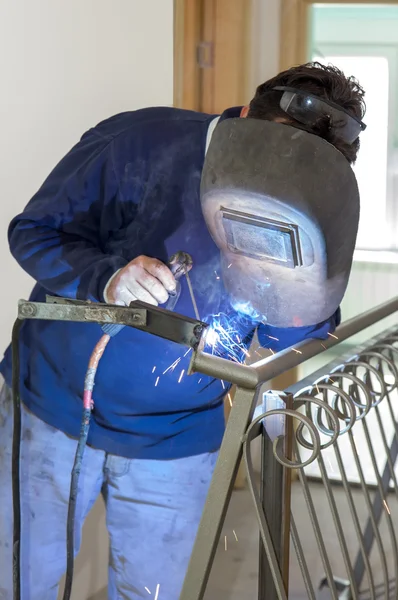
column 269, row 368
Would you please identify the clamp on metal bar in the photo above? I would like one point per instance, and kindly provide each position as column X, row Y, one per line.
column 140, row 315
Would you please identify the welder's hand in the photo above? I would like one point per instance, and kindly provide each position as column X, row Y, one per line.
column 146, row 279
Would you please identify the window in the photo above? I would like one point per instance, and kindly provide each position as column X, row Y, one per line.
column 371, row 167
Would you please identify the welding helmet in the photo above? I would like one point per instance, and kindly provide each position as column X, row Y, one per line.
column 282, row 205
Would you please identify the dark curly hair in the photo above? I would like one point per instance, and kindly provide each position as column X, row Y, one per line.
column 327, row 82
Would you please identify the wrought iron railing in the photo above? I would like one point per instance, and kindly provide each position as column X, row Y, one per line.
column 304, row 426
column 348, row 412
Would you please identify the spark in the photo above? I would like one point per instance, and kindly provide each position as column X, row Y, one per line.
column 297, row 351
column 333, row 336
column 317, row 388
column 229, row 266
column 226, row 546
column 146, row 589
column 181, row 375
column 172, row 366
column 236, row 537
column 273, row 338
column 154, row 369
column 323, row 346
column 187, row 352
column 221, row 336
column 272, row 352
column 157, row 381
column 258, row 353
column 199, row 380
column 223, row 384
column 387, row 508
column 217, row 276
column 157, row 591
column 230, row 399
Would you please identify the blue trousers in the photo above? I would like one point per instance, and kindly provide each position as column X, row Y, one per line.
column 152, row 512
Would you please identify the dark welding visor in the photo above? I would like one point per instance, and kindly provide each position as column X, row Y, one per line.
column 308, row 109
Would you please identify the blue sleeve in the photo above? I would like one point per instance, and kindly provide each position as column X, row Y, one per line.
column 280, row 338
column 59, row 237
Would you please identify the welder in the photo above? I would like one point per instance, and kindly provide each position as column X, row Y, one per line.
column 264, row 200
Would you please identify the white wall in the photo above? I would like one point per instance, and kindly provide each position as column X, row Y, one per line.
column 65, row 65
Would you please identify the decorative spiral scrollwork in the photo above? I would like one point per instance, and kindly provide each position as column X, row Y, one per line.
column 334, row 402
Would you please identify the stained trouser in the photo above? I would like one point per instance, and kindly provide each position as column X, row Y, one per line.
column 153, row 510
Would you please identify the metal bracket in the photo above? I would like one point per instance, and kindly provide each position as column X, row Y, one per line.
column 140, row 315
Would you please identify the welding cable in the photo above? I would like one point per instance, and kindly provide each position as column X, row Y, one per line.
column 15, row 464
column 85, row 425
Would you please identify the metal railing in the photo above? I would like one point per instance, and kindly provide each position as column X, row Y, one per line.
column 355, row 398
column 358, row 392
column 329, row 407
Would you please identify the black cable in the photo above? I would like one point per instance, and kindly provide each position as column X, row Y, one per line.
column 70, row 525
column 15, row 463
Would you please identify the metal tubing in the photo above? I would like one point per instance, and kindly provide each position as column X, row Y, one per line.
column 339, row 527
column 219, row 494
column 378, row 507
column 301, row 560
column 285, row 360
column 373, row 517
column 227, row 370
column 268, row 368
column 317, row 530
column 363, row 554
column 275, row 494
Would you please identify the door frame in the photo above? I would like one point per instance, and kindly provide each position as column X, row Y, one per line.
column 212, row 54
column 294, row 28
column 187, row 33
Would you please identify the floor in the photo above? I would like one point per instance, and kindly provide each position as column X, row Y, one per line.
column 235, row 572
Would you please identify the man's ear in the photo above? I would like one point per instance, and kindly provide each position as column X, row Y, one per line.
column 244, row 112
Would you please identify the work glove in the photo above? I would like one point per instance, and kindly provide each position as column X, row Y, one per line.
column 146, row 279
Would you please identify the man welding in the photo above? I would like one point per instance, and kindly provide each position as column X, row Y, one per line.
column 264, row 200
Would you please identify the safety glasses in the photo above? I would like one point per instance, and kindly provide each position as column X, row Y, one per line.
column 307, row 109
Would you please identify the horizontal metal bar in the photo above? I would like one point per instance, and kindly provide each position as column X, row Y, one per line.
column 268, row 368
column 309, row 380
column 82, row 313
column 140, row 315
column 224, row 369
column 285, row 360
